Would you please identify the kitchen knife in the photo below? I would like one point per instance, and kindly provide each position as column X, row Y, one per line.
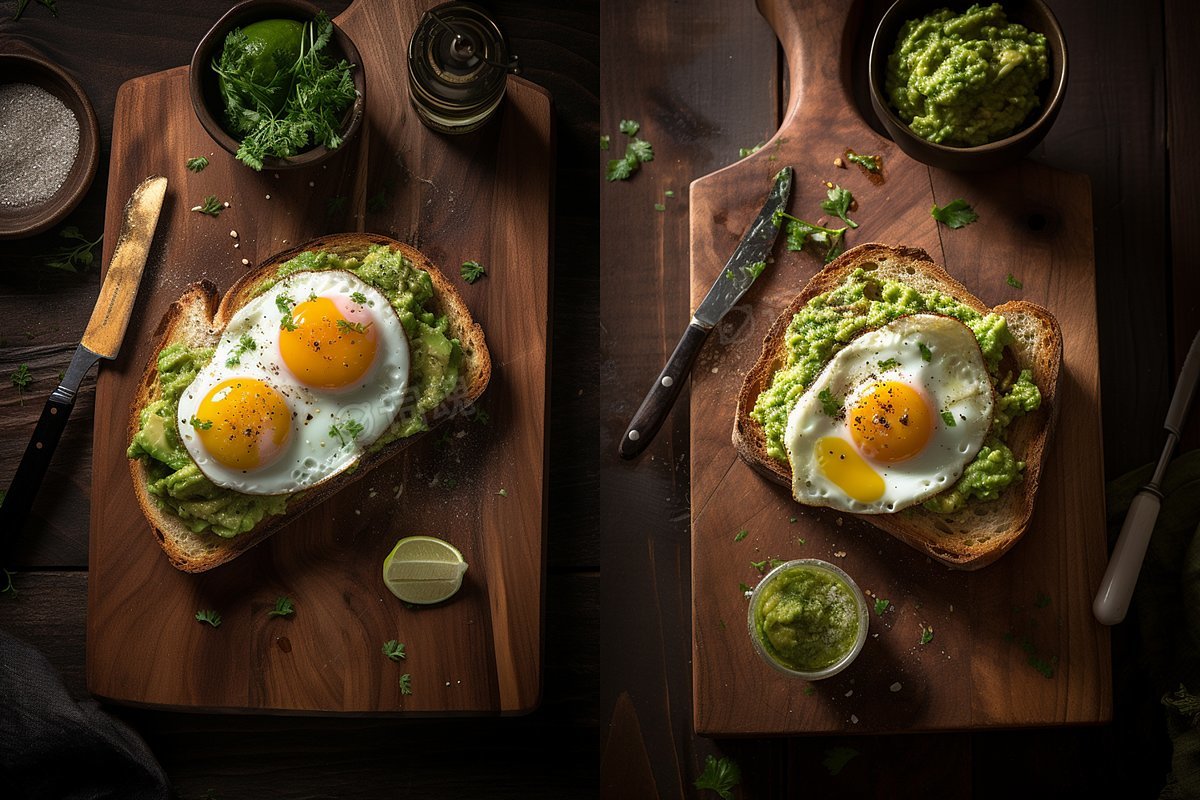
column 747, row 263
column 1116, row 587
column 101, row 339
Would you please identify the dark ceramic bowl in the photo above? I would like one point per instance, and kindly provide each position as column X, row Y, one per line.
column 1034, row 15
column 206, row 94
column 19, row 221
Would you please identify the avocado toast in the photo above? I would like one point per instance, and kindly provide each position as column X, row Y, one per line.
column 971, row 532
column 200, row 525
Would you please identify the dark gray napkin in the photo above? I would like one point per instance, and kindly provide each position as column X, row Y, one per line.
column 54, row 748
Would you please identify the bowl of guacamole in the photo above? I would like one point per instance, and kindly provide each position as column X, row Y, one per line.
column 808, row 618
column 967, row 86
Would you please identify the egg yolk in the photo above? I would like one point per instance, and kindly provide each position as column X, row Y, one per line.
column 326, row 348
column 890, row 422
column 842, row 465
column 243, row 423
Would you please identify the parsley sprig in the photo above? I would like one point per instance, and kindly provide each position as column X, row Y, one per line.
column 957, row 213
column 346, row 432
column 211, row 206
column 637, row 152
column 838, row 203
column 209, row 616
column 197, row 164
column 394, row 650
column 720, row 775
column 801, row 232
column 283, row 608
column 76, row 255
column 20, row 377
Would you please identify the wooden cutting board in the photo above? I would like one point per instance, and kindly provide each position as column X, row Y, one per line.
column 483, row 196
column 1014, row 644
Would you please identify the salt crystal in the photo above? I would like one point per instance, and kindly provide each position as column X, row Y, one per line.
column 895, row 687
column 39, row 137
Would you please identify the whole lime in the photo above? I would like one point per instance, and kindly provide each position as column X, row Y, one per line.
column 261, row 56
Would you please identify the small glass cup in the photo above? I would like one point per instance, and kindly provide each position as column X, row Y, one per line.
column 764, row 649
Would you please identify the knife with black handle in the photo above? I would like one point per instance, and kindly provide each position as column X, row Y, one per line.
column 101, row 339
column 744, row 266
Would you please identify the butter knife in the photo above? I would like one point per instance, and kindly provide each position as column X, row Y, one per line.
column 1116, row 587
column 101, row 339
column 744, row 266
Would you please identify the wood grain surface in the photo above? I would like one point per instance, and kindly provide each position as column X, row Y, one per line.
column 975, row 672
column 484, row 196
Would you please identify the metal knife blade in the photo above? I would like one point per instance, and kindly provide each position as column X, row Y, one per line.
column 748, row 261
column 101, row 339
column 1120, row 577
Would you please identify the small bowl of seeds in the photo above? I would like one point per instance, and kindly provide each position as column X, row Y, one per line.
column 51, row 143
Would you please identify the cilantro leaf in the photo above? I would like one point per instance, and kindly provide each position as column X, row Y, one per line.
column 629, row 127
column 1013, row 282
column 800, row 233
column 21, row 377
column 839, row 203
column 742, row 534
column 926, row 634
column 283, row 607
column 197, row 164
column 956, row 213
column 642, row 150
column 394, row 650
column 881, row 605
column 406, row 684
column 830, row 404
column 209, row 616
column 888, row 363
column 720, row 775
column 472, row 271
column 926, row 353
column 948, row 418
column 211, row 206
column 620, row 169
column 756, row 269
column 201, row 424
column 72, row 257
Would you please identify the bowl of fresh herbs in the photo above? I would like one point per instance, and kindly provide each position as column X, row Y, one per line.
column 278, row 85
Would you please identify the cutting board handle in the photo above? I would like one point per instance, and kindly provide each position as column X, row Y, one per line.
column 818, row 65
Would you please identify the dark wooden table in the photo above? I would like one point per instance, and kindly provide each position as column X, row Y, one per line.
column 705, row 78
column 550, row 753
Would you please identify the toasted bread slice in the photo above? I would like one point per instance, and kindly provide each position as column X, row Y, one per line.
column 982, row 531
column 198, row 319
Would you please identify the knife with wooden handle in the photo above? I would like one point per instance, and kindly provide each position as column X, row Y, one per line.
column 101, row 339
column 1116, row 587
column 747, row 263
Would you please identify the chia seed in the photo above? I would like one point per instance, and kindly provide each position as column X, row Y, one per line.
column 39, row 142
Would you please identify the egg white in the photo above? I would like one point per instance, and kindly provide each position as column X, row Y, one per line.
column 953, row 380
column 314, row 452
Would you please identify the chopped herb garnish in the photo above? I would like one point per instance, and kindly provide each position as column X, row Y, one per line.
column 749, row 151
column 472, row 271
column 669, row 193
column 284, row 303
column 742, row 534
column 211, row 206
column 72, row 257
column 345, row 326
column 629, row 127
column 21, row 377
column 503, row 492
column 197, row 164
column 839, row 203
column 659, row 207
column 283, row 607
column 201, row 424
column 406, row 684
column 480, row 415
column 287, row 322
column 302, row 106
column 244, row 345
column 346, row 431
column 800, row 233
column 604, row 141
column 829, row 404
column 926, row 353
column 810, row 690
column 881, row 605
column 621, row 169
column 888, row 363
column 394, row 650
column 211, row 617
column 948, row 418
column 640, row 148
column 743, row 588
column 956, row 213
column 359, row 298
column 756, row 269
column 869, row 163
column 793, row 519
column 926, row 634
column 1013, row 282
column 720, row 775
column 761, row 566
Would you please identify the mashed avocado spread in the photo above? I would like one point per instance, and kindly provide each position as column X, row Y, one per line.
column 177, row 483
column 807, row 618
column 830, row 320
column 966, row 79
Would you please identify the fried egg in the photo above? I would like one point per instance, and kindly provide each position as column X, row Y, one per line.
column 305, row 377
column 893, row 419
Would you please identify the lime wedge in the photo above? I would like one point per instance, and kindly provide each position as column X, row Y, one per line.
column 424, row 570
